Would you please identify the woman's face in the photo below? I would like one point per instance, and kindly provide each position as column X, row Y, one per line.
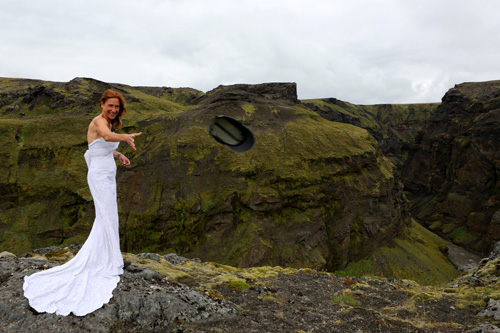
column 111, row 108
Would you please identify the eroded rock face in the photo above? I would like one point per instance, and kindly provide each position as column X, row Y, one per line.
column 452, row 171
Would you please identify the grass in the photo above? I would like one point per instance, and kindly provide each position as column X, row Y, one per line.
column 346, row 300
column 238, row 285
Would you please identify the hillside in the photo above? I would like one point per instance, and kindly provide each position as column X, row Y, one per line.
column 312, row 193
column 394, row 126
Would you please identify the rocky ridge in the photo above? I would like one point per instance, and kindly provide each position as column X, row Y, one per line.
column 170, row 293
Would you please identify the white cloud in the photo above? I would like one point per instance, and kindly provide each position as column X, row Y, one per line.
column 361, row 51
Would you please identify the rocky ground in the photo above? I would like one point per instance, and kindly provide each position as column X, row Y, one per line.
column 318, row 302
column 173, row 294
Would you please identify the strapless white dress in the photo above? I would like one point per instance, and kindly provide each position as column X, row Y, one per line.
column 86, row 282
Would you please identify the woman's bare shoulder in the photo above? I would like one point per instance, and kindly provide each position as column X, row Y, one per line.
column 92, row 130
column 96, row 119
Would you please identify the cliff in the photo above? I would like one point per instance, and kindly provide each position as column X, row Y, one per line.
column 452, row 172
column 311, row 193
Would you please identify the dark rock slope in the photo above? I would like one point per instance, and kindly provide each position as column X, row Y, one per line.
column 452, row 173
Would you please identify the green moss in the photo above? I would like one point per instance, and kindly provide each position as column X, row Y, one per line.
column 346, row 300
column 249, row 110
column 238, row 285
column 358, row 268
column 60, row 255
column 418, row 256
column 436, row 226
column 462, row 237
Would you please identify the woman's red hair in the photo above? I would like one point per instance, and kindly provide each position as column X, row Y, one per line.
column 117, row 122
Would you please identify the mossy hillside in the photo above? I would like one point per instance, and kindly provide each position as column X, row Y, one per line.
column 45, row 181
column 307, row 184
column 394, row 126
column 232, row 210
column 417, row 255
column 44, row 186
column 381, row 118
column 352, row 113
column 35, row 99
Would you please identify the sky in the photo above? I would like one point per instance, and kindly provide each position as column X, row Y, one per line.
column 359, row 51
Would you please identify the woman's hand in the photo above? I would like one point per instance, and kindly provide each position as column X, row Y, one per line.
column 130, row 139
column 123, row 159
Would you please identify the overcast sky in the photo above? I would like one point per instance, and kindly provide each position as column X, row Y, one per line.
column 360, row 51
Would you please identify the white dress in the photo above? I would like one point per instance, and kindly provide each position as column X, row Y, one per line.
column 86, row 282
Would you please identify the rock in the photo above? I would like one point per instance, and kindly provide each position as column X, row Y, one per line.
column 495, row 252
column 492, row 309
column 74, row 247
column 152, row 256
column 461, row 258
column 485, row 328
column 143, row 301
column 7, row 254
column 174, row 258
column 146, row 273
column 451, row 174
column 42, row 251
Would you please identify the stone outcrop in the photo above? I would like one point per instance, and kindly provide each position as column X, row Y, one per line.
column 144, row 301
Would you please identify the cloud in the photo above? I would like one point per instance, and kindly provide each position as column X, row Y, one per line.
column 364, row 52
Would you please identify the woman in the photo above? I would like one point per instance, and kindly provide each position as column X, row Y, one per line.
column 86, row 282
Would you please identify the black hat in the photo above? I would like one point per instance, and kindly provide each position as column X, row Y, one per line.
column 232, row 133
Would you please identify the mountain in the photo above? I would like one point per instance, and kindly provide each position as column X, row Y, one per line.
column 311, row 193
